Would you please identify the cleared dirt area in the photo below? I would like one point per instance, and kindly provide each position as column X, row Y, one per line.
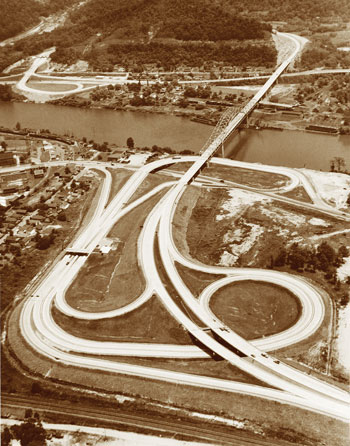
column 234, row 227
column 254, row 308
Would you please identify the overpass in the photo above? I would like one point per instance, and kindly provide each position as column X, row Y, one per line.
column 77, row 251
column 230, row 121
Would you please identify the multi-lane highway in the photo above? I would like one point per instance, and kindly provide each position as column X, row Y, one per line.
column 41, row 332
column 289, row 386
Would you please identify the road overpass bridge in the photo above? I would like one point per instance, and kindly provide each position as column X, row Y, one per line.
column 77, row 251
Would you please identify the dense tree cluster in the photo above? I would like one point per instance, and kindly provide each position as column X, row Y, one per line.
column 140, row 24
column 324, row 258
column 5, row 93
column 17, row 15
column 28, row 433
column 291, row 9
column 322, row 53
column 179, row 19
column 191, row 54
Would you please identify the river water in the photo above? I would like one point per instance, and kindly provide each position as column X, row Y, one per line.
column 286, row 148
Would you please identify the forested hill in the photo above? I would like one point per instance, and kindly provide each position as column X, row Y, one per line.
column 167, row 33
column 291, row 10
column 17, row 15
column 178, row 19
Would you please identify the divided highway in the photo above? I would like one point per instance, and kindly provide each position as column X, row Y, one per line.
column 42, row 333
column 289, row 385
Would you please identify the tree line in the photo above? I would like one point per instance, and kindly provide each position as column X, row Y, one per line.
column 178, row 19
column 141, row 22
column 17, row 15
column 323, row 258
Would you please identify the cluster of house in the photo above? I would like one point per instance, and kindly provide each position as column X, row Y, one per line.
column 14, row 150
column 43, row 151
column 21, row 227
column 197, row 73
column 14, row 184
column 21, row 224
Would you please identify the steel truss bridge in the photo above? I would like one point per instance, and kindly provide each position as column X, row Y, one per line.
column 231, row 119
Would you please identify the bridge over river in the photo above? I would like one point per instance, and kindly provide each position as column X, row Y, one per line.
column 230, row 120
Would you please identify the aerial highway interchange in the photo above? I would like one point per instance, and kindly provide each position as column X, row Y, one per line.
column 41, row 332
column 287, row 385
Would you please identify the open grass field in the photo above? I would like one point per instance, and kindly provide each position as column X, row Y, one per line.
column 274, row 420
column 42, row 86
column 208, row 367
column 119, row 178
column 246, row 177
column 150, row 183
column 204, row 235
column 253, row 308
column 298, row 193
column 150, row 323
column 196, row 281
column 113, row 280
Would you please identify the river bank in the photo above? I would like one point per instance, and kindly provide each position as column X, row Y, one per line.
column 202, row 113
column 284, row 148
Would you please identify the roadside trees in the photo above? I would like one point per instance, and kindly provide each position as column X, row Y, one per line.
column 130, row 142
column 30, row 432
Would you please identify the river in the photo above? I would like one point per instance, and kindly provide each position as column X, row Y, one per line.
column 287, row 148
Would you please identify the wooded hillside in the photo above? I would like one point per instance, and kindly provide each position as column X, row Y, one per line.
column 178, row 19
column 17, row 15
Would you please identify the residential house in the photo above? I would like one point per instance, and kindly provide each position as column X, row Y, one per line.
column 7, row 159
column 39, row 173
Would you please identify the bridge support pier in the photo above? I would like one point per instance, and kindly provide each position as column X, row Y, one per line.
column 222, row 150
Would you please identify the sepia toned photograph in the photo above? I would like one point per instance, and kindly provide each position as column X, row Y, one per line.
column 175, row 222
